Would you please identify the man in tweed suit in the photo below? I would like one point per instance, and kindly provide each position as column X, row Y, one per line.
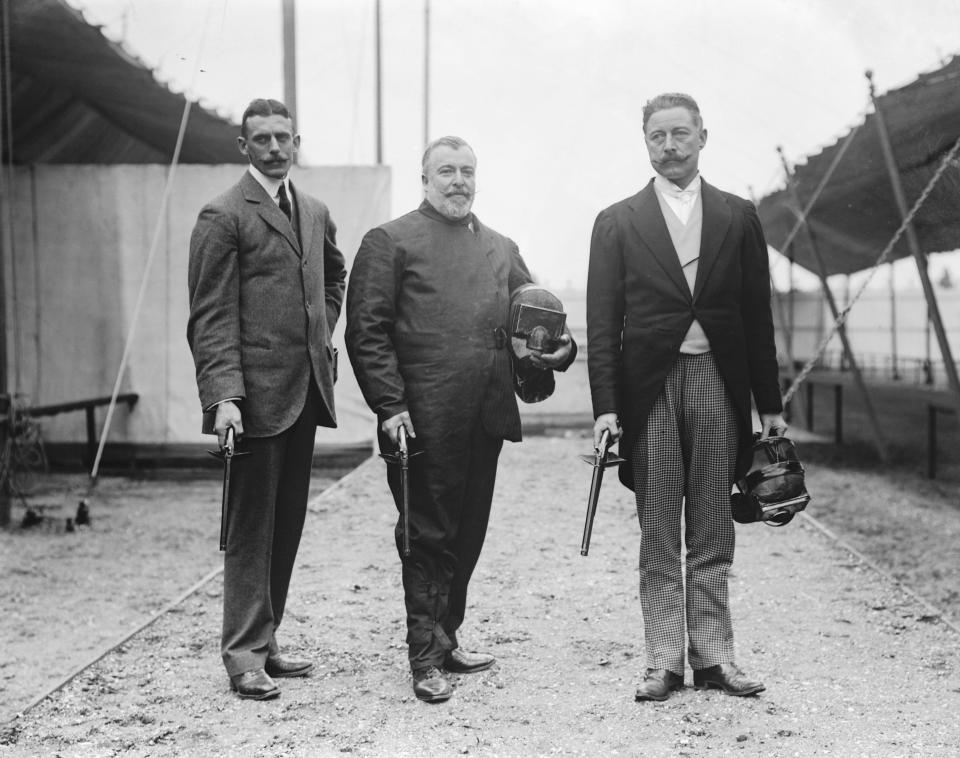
column 266, row 285
column 427, row 307
column 680, row 335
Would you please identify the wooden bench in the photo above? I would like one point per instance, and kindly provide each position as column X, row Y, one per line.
column 934, row 402
column 88, row 406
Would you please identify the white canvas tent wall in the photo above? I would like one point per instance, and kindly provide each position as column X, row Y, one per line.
column 88, row 136
column 81, row 237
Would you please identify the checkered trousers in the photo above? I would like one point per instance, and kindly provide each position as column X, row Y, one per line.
column 688, row 449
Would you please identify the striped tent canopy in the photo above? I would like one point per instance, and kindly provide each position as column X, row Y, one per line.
column 77, row 97
column 855, row 216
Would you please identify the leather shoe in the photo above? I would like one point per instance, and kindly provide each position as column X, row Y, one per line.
column 658, row 684
column 459, row 662
column 727, row 677
column 430, row 686
column 254, row 685
column 284, row 665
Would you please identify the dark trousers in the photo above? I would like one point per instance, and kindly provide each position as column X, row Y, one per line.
column 451, row 489
column 268, row 504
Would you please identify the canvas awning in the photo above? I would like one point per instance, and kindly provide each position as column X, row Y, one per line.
column 856, row 215
column 77, row 97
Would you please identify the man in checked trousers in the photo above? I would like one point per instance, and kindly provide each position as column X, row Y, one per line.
column 680, row 335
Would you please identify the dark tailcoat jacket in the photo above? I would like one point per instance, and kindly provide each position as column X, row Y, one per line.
column 426, row 298
column 639, row 308
column 263, row 304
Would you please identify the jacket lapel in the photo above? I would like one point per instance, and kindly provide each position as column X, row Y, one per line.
column 716, row 226
column 269, row 211
column 648, row 223
column 306, row 216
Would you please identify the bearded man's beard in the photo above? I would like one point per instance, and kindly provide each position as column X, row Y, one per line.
column 455, row 206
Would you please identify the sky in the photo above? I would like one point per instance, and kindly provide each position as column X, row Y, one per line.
column 549, row 92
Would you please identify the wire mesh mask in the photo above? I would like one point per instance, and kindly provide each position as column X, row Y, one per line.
column 774, row 489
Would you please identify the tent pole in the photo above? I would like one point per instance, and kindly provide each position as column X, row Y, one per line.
column 426, row 72
column 378, row 76
column 893, row 325
column 933, row 310
column 792, row 299
column 842, row 330
column 290, row 59
column 6, row 232
column 846, row 298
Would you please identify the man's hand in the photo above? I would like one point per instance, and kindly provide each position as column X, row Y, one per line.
column 228, row 414
column 773, row 425
column 557, row 358
column 391, row 427
column 606, row 422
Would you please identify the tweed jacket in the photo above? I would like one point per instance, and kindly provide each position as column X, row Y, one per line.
column 263, row 304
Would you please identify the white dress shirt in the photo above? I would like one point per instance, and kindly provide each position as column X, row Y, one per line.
column 271, row 185
column 681, row 201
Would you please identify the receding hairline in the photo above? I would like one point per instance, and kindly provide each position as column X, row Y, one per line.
column 451, row 141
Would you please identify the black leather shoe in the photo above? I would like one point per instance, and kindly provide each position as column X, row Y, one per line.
column 658, row 684
column 284, row 665
column 254, row 685
column 430, row 686
column 459, row 662
column 727, row 677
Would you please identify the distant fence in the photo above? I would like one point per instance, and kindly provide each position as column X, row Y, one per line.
column 879, row 366
column 889, row 337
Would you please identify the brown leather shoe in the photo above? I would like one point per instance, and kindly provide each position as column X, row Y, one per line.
column 284, row 665
column 658, row 684
column 430, row 686
column 458, row 661
column 254, row 685
column 727, row 677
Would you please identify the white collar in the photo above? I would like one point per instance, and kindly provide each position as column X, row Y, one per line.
column 668, row 188
column 271, row 185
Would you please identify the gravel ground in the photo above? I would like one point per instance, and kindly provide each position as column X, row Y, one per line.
column 854, row 666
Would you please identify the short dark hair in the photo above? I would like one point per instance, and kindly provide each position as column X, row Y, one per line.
column 449, row 141
column 263, row 107
column 672, row 100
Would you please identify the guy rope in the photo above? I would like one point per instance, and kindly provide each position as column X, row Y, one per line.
column 841, row 319
column 154, row 245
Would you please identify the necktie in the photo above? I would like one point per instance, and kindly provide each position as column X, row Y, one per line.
column 686, row 199
column 285, row 203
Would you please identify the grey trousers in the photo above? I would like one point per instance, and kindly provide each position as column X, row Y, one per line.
column 683, row 466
